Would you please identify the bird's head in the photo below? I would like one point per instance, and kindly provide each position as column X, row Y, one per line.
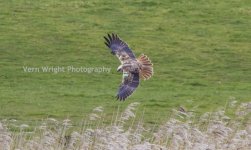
column 123, row 57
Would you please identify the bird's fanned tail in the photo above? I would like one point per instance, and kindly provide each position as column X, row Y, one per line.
column 146, row 67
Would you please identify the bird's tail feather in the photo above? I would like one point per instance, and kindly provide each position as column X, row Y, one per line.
column 146, row 67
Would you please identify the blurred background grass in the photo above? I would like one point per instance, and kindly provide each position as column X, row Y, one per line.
column 200, row 50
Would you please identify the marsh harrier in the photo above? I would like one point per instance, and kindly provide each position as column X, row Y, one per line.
column 132, row 68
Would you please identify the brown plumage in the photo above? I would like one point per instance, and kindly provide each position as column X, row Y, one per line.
column 133, row 69
column 146, row 67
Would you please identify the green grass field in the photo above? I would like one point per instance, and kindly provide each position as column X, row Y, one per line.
column 201, row 52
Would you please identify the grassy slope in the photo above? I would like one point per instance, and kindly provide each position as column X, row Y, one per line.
column 200, row 49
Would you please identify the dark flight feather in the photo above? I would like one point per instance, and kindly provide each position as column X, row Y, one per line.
column 128, row 86
column 117, row 45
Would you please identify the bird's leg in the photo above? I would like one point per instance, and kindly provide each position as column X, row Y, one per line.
column 127, row 65
column 123, row 67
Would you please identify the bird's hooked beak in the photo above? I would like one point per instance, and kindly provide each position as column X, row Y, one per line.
column 119, row 69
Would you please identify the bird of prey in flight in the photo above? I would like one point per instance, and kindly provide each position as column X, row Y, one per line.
column 132, row 68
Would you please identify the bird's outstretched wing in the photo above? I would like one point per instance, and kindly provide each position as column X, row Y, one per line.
column 118, row 46
column 129, row 84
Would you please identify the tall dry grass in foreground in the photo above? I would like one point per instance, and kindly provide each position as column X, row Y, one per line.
column 183, row 130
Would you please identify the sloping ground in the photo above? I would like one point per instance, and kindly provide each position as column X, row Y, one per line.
column 200, row 50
